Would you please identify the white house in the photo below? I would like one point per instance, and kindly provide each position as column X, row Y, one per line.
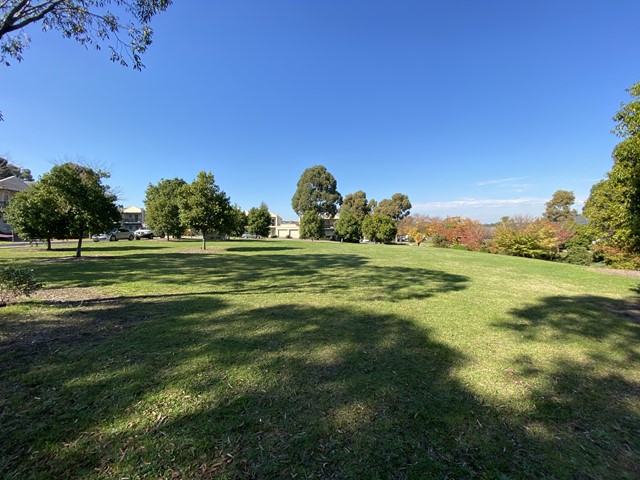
column 8, row 188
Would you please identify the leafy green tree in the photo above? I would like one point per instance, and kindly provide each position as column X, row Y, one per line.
column 259, row 220
column 397, row 207
column 379, row 228
column 89, row 22
column 238, row 221
column 311, row 225
column 84, row 202
column 204, row 207
column 348, row 227
column 317, row 191
column 8, row 170
column 558, row 209
column 162, row 202
column 613, row 207
column 35, row 213
column 357, row 205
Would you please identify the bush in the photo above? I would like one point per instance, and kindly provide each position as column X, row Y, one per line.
column 577, row 255
column 439, row 241
column 15, row 282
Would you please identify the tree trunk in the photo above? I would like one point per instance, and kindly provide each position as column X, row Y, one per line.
column 204, row 240
column 79, row 248
column 48, row 244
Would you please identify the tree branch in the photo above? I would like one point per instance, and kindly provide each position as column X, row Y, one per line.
column 24, row 14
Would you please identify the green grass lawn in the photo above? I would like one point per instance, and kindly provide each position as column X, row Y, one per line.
column 291, row 359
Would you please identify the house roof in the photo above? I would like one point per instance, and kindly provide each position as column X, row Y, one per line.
column 13, row 183
column 132, row 209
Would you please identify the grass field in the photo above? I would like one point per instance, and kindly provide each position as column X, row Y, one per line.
column 290, row 359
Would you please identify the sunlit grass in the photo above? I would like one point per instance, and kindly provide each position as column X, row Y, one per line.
column 273, row 359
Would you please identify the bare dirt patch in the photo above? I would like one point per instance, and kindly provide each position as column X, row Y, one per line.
column 71, row 294
column 619, row 272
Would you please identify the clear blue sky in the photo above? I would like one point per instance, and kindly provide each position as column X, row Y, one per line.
column 473, row 108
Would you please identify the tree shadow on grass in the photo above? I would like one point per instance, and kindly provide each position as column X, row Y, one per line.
column 585, row 317
column 337, row 275
column 586, row 401
column 193, row 387
column 264, row 249
column 190, row 388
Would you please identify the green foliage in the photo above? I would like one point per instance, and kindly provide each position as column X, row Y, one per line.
column 83, row 202
column 558, row 209
column 259, row 220
column 9, row 170
column 357, row 205
column 317, row 191
column 379, row 228
column 162, row 203
column 397, row 207
column 35, row 213
column 311, row 225
column 613, row 207
column 577, row 255
column 15, row 282
column 89, row 22
column 238, row 221
column 348, row 227
column 204, row 207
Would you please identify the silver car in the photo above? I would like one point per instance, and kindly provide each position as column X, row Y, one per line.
column 114, row 235
column 143, row 233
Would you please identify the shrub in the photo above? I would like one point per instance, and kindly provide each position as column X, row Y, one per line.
column 439, row 241
column 577, row 255
column 15, row 282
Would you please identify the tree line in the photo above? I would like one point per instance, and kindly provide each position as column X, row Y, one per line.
column 71, row 201
column 173, row 206
column 317, row 200
column 552, row 236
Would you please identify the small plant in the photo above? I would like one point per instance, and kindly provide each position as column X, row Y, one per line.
column 15, row 282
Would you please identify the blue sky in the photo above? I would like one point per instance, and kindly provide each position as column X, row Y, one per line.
column 473, row 108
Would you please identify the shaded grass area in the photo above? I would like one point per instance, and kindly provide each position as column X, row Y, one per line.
column 290, row 359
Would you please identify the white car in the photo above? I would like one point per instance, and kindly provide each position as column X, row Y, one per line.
column 114, row 235
column 143, row 233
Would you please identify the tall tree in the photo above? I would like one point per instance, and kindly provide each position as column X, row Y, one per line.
column 84, row 202
column 311, row 225
column 357, row 204
column 259, row 220
column 397, row 207
column 317, row 191
column 163, row 207
column 35, row 213
column 558, row 209
column 204, row 207
column 8, row 170
column 613, row 207
column 89, row 22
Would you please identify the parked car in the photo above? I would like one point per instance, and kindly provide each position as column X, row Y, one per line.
column 114, row 235
column 144, row 233
column 250, row 235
